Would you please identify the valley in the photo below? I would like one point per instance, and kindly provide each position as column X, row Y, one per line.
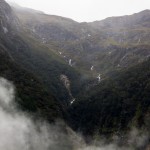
column 94, row 76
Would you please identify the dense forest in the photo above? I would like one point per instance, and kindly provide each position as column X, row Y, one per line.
column 116, row 104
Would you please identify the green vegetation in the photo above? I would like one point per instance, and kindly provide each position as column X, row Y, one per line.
column 115, row 104
column 118, row 48
column 43, row 63
column 31, row 94
column 102, row 44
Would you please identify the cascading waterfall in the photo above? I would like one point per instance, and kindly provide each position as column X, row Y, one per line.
column 67, row 83
column 70, row 62
column 99, row 78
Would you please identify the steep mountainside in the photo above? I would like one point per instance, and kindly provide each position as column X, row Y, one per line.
column 57, row 65
column 32, row 95
column 116, row 104
column 92, row 48
column 34, row 69
column 27, row 51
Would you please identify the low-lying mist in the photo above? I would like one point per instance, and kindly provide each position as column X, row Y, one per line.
column 18, row 131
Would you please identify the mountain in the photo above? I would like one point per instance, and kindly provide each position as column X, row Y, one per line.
column 116, row 104
column 140, row 19
column 93, row 75
column 34, row 69
column 32, row 95
column 41, row 60
column 111, row 44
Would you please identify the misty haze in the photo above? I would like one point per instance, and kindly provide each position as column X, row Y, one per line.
column 74, row 75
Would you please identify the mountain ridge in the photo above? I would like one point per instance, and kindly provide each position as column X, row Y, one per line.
column 13, row 4
column 77, row 40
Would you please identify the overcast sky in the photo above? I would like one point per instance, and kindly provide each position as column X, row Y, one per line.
column 86, row 10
